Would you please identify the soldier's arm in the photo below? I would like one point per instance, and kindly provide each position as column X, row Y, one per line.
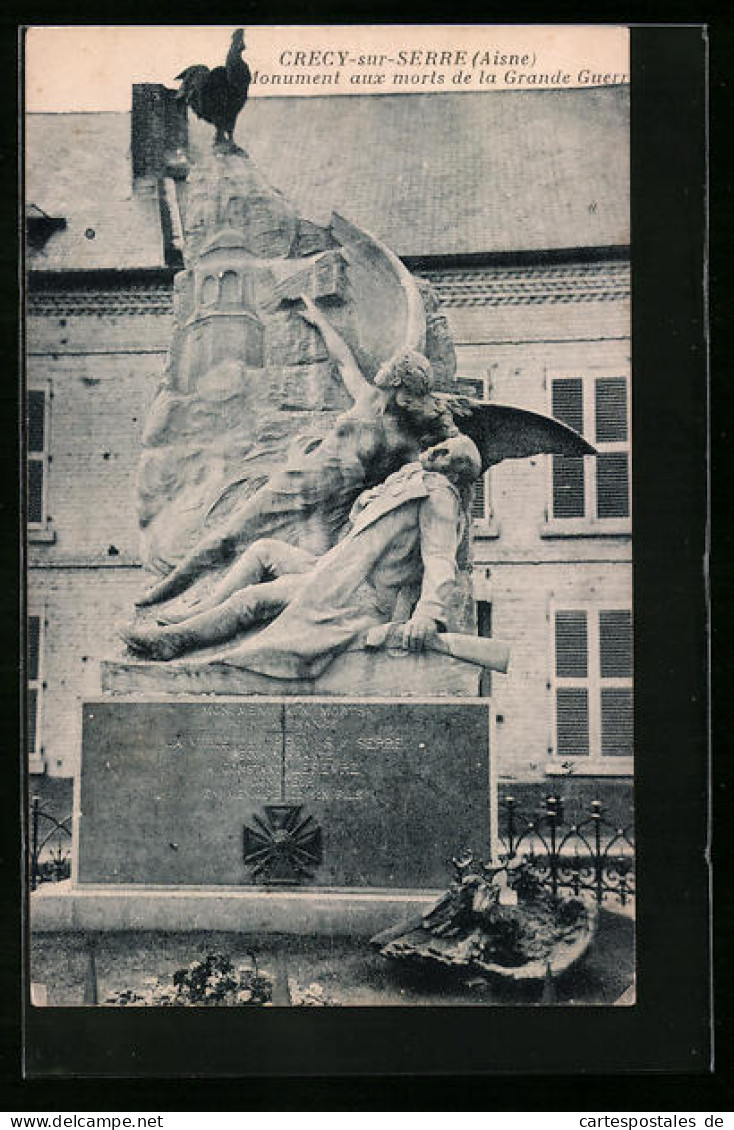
column 439, row 521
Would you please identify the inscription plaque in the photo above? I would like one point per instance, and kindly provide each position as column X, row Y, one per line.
column 165, row 787
column 396, row 788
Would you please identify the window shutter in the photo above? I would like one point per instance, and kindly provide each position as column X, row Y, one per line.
column 36, row 411
column 567, row 400
column 36, row 420
column 474, row 387
column 33, row 673
column 32, row 712
column 616, row 722
column 615, row 644
column 567, row 397
column 479, row 500
column 484, row 618
column 611, row 409
column 612, row 484
column 593, row 682
column 571, row 645
column 572, row 722
column 568, row 487
column 471, row 386
column 35, row 490
column 34, row 639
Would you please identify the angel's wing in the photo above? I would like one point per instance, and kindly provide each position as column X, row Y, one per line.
column 502, row 431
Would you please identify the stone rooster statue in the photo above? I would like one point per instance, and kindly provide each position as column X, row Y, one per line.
column 218, row 95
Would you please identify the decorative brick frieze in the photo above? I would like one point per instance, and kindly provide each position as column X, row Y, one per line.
column 88, row 303
column 532, row 285
column 478, row 286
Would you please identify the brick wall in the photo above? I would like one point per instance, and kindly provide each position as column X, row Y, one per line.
column 522, row 596
column 101, row 357
column 80, row 607
column 103, row 354
column 512, row 326
column 101, row 372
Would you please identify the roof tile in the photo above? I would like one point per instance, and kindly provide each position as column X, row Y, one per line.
column 429, row 174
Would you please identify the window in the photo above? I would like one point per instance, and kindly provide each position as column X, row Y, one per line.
column 592, row 491
column 484, row 628
column 481, row 509
column 592, row 686
column 35, row 690
column 37, row 417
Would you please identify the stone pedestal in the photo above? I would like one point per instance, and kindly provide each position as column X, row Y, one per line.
column 207, row 801
column 287, row 793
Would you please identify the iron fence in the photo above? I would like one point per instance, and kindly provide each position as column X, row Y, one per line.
column 50, row 846
column 591, row 854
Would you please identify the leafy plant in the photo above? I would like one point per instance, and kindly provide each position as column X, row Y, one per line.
column 525, row 882
column 212, row 981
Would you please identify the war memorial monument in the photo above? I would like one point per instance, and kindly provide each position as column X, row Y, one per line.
column 291, row 737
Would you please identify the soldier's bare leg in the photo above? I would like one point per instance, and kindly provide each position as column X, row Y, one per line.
column 252, row 605
column 265, row 560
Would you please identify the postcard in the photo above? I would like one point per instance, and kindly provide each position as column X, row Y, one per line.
column 330, row 685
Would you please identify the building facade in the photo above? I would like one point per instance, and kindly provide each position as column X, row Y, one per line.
column 513, row 206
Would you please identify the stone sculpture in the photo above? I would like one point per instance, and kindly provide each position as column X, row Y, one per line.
column 307, row 366
column 246, row 373
column 401, row 548
column 495, row 921
column 307, row 503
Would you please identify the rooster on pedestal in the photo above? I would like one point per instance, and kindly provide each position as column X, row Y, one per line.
column 218, row 95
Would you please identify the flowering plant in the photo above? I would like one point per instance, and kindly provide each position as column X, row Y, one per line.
column 213, row 981
column 311, row 995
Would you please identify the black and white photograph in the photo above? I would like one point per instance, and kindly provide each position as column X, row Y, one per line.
column 329, row 528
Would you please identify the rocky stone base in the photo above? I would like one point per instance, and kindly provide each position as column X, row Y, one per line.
column 357, row 673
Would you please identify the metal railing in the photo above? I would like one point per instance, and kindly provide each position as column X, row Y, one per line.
column 591, row 854
column 50, row 846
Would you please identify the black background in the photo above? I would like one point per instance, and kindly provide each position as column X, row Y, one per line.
column 473, row 1057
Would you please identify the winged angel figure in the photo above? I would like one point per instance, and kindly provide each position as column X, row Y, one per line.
column 392, row 422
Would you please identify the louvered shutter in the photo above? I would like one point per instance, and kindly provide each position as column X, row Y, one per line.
column 610, row 402
column 571, row 645
column 34, row 639
column 572, row 703
column 572, row 722
column 616, row 722
column 612, row 467
column 35, row 490
column 474, row 387
column 567, row 398
column 615, row 662
column 612, row 484
column 36, row 453
column 615, row 644
column 34, row 645
column 32, row 713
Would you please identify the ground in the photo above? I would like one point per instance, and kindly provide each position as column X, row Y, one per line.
column 347, row 970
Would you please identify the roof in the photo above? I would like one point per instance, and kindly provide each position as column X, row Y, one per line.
column 78, row 167
column 429, row 174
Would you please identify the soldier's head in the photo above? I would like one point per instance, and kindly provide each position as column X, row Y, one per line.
column 457, row 458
